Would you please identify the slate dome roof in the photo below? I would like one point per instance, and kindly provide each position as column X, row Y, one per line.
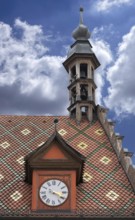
column 82, row 31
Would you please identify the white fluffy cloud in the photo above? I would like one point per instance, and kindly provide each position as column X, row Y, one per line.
column 106, row 5
column 103, row 52
column 121, row 76
column 26, row 71
column 32, row 82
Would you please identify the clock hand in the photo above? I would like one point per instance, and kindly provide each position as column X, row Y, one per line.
column 56, row 193
column 59, row 194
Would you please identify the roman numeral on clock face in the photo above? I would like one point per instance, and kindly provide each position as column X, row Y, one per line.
column 53, row 182
column 48, row 201
column 44, row 197
column 53, row 202
column 64, row 192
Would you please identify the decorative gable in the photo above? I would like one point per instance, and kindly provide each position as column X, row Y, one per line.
column 53, row 155
column 54, row 152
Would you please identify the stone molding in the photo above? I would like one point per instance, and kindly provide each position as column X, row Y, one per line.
column 124, row 156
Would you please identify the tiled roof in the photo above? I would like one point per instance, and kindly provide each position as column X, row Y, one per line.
column 106, row 190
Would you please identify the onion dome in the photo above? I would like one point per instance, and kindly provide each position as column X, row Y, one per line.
column 81, row 32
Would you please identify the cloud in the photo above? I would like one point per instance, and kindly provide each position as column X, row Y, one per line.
column 106, row 33
column 31, row 81
column 104, row 54
column 107, row 5
column 121, row 76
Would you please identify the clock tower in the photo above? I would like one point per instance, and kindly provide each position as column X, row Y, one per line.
column 54, row 170
column 81, row 63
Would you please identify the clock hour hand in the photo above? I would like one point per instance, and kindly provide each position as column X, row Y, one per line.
column 56, row 193
column 59, row 194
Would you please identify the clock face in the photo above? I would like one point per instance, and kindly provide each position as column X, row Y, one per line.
column 53, row 192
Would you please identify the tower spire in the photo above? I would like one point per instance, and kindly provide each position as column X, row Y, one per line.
column 81, row 15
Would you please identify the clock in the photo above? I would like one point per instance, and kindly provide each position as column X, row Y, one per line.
column 53, row 192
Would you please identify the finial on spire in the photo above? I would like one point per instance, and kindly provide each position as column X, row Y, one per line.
column 55, row 122
column 81, row 15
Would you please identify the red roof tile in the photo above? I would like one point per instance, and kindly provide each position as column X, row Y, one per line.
column 106, row 190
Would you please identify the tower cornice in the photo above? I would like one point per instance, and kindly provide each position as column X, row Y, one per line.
column 82, row 102
column 74, row 56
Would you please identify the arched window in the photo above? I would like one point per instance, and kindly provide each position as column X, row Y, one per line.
column 83, row 71
column 84, row 91
column 73, row 113
column 73, row 73
column 84, row 111
column 73, row 95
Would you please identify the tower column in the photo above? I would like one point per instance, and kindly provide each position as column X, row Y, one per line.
column 78, row 70
column 70, row 74
column 78, row 91
column 89, row 93
column 70, row 97
column 89, row 72
column 90, row 113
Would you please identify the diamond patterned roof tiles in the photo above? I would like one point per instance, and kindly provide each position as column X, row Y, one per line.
column 106, row 190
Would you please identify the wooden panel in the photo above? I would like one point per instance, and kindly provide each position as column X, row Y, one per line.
column 34, row 191
column 40, row 176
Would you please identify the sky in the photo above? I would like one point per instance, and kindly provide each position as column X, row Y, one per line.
column 35, row 36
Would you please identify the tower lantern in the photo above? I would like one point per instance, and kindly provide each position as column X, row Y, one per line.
column 80, row 64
